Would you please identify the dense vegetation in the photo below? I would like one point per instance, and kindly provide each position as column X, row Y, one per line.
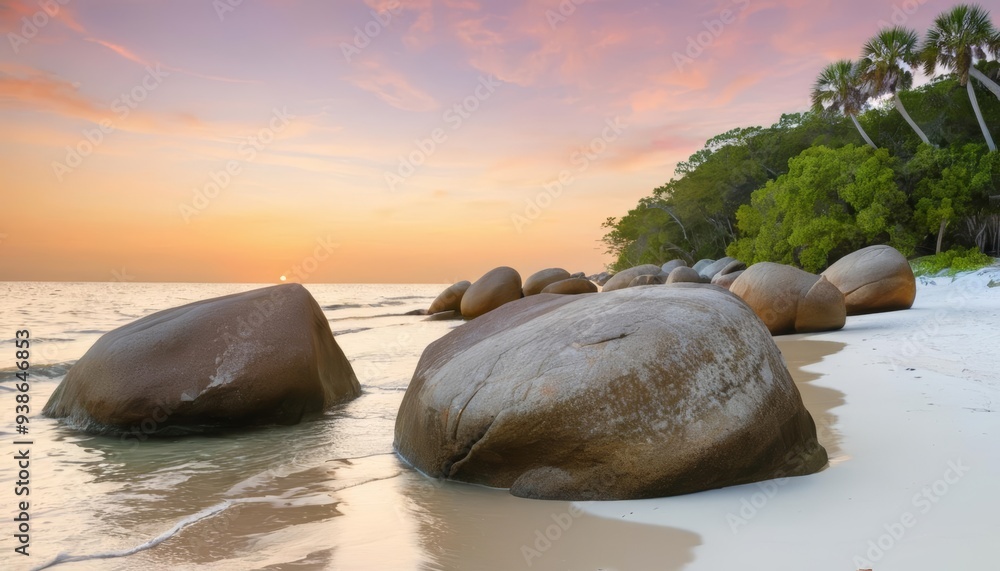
column 875, row 161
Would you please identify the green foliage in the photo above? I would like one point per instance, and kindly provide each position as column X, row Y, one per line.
column 694, row 216
column 951, row 262
column 805, row 190
column 831, row 202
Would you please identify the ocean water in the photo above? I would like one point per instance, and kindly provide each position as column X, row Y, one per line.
column 325, row 494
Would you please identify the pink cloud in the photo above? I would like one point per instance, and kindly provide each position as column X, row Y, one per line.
column 391, row 86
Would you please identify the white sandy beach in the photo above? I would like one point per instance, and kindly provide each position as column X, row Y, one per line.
column 912, row 480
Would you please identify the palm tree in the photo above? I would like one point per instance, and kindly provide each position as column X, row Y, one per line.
column 884, row 59
column 838, row 87
column 959, row 38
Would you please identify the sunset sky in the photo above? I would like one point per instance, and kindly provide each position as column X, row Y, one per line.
column 238, row 140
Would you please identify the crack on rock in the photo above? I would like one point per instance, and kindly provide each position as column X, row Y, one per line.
column 606, row 340
column 463, row 455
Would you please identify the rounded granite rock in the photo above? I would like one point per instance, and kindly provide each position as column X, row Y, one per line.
column 622, row 279
column 658, row 279
column 497, row 287
column 537, row 281
column 603, row 397
column 874, row 279
column 790, row 300
column 265, row 356
column 450, row 299
column 684, row 274
column 572, row 286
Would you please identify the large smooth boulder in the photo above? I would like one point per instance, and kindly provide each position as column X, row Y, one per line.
column 640, row 392
column 572, row 286
column 450, row 299
column 790, row 300
column 537, row 281
column 874, row 279
column 497, row 287
column 622, row 279
column 265, row 356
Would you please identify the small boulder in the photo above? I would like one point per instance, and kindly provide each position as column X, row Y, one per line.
column 702, row 264
column 726, row 280
column 625, row 277
column 669, row 266
column 450, row 299
column 537, row 281
column 874, row 279
column 709, row 271
column 684, row 274
column 734, row 266
column 658, row 279
column 572, row 286
column 790, row 300
column 497, row 287
column 265, row 356
column 636, row 393
column 580, row 275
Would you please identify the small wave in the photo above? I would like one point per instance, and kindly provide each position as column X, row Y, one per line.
column 349, row 331
column 343, row 306
column 53, row 371
column 410, row 297
column 205, row 513
column 334, row 319
column 89, row 331
column 388, row 302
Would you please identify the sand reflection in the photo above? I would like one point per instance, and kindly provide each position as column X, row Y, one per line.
column 470, row 527
column 799, row 351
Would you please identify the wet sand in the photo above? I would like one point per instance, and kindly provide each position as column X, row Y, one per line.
column 799, row 352
column 375, row 512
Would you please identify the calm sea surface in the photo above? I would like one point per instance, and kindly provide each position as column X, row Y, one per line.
column 326, row 494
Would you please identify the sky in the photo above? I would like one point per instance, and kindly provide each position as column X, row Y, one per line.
column 375, row 141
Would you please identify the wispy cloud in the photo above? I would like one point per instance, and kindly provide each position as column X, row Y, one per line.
column 391, row 86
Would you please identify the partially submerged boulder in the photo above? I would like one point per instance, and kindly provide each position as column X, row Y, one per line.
column 874, row 279
column 790, row 300
column 537, row 281
column 450, row 299
column 265, row 356
column 497, row 287
column 625, row 277
column 640, row 392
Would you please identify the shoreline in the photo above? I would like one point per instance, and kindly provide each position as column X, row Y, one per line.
column 911, row 482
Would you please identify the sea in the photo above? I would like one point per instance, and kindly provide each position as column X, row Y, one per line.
column 325, row 494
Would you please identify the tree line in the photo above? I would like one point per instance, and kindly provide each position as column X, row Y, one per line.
column 874, row 161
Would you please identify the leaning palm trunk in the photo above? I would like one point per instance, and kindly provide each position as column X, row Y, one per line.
column 944, row 224
column 862, row 131
column 987, row 82
column 979, row 115
column 902, row 111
